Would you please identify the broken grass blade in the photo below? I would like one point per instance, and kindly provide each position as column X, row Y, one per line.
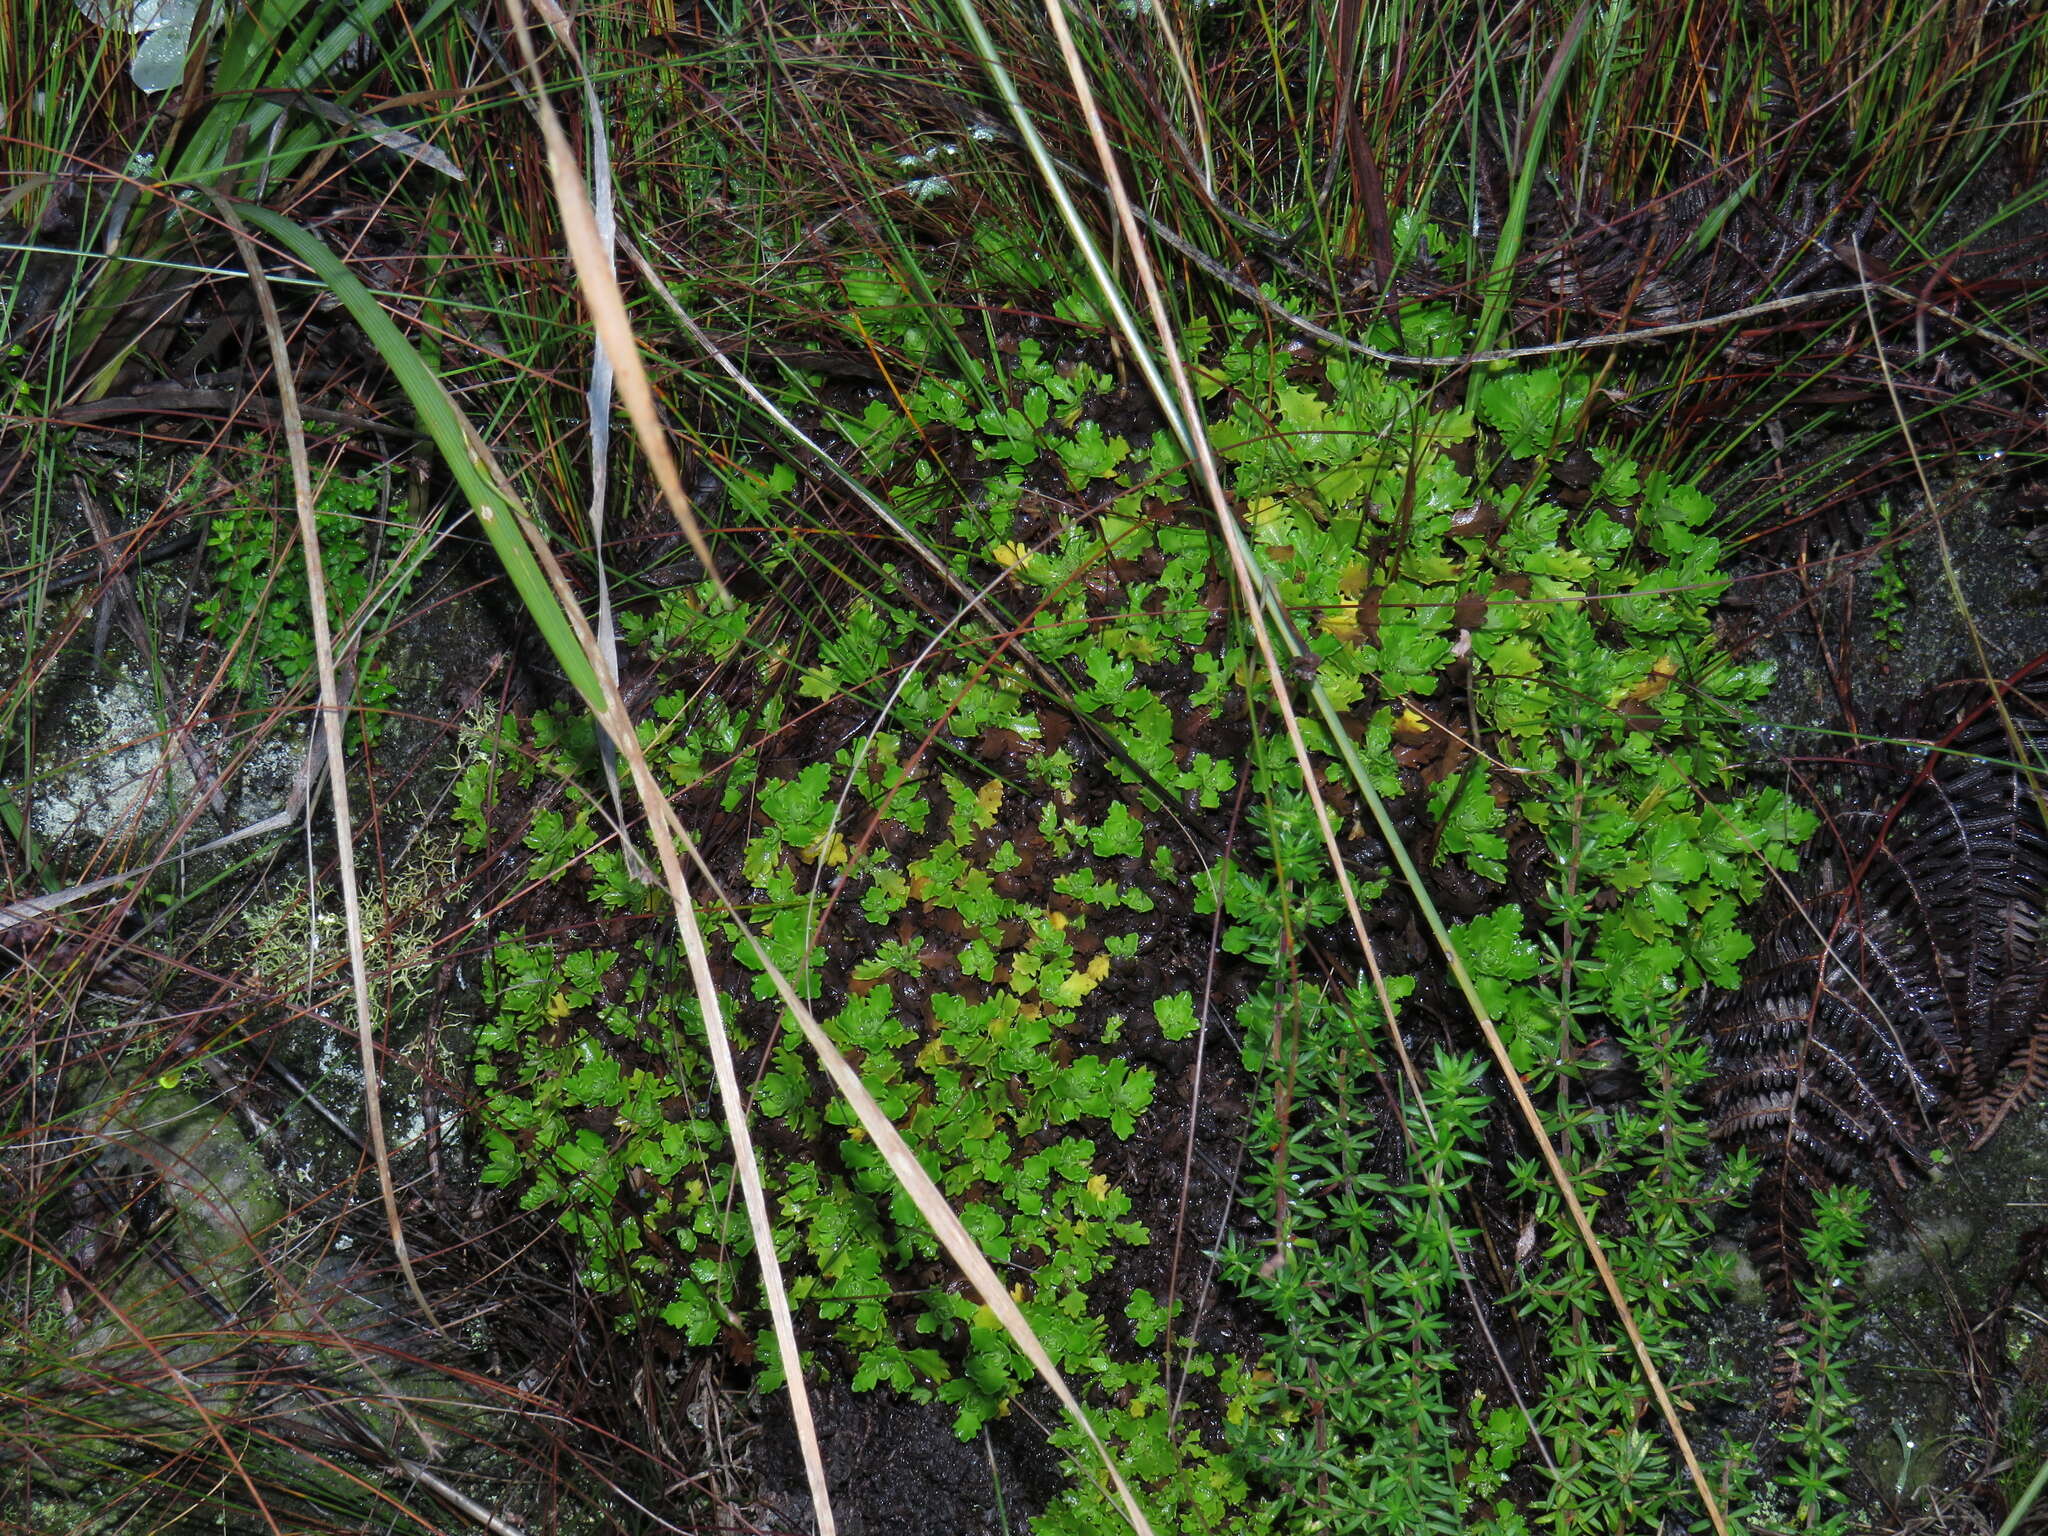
column 598, row 281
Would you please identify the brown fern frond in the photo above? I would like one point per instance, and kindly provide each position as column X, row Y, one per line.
column 2028, row 1079
column 1901, row 992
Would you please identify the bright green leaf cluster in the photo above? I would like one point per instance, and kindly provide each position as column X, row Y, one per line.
column 1529, row 661
column 258, row 605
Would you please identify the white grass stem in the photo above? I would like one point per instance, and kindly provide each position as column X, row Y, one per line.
column 598, row 282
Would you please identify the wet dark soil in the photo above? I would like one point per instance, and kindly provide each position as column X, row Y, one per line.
column 897, row 1469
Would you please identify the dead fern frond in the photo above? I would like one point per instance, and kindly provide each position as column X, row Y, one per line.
column 1899, row 994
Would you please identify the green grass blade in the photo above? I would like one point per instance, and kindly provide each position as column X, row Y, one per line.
column 2026, row 1503
column 1500, row 283
column 496, row 504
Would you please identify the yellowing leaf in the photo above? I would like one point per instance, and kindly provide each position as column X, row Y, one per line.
column 1098, row 1186
column 1264, row 512
column 1081, row 983
column 834, row 851
column 990, row 798
column 558, row 1006
column 1342, row 624
column 1662, row 670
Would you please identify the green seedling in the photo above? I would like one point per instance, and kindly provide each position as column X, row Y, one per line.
column 259, row 595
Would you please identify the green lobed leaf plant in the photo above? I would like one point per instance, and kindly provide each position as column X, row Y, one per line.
column 259, row 597
column 1594, row 724
column 978, row 918
column 1890, row 590
column 1528, row 659
column 1598, row 729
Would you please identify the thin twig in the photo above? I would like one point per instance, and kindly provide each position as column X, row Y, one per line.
column 35, row 908
column 117, row 595
column 2020, row 756
column 1252, row 293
